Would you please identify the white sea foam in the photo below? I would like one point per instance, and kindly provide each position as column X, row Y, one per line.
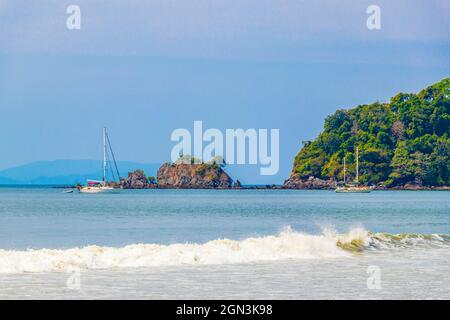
column 408, row 240
column 288, row 244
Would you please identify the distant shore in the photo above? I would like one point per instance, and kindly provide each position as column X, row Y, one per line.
column 244, row 187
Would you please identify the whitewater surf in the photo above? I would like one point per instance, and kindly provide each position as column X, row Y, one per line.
column 287, row 245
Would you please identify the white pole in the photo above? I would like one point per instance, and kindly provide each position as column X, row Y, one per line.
column 104, row 156
column 357, row 164
column 344, row 169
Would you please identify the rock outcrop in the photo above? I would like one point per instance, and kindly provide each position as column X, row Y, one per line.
column 295, row 182
column 136, row 180
column 237, row 185
column 193, row 176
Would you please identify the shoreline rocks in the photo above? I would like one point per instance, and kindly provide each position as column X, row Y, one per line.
column 237, row 185
column 136, row 180
column 414, row 187
column 212, row 176
column 295, row 182
column 313, row 183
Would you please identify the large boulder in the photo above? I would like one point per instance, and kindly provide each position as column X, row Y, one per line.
column 135, row 180
column 237, row 185
column 295, row 182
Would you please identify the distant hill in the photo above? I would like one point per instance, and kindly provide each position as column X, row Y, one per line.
column 405, row 141
column 4, row 180
column 67, row 171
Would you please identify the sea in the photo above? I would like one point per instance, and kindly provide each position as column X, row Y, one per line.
column 224, row 244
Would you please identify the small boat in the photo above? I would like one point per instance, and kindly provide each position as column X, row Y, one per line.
column 354, row 187
column 68, row 191
column 99, row 189
column 95, row 186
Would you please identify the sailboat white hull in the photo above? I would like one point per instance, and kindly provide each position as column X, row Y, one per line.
column 99, row 190
column 352, row 190
column 95, row 186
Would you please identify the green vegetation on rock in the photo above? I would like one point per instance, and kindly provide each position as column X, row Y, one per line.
column 404, row 141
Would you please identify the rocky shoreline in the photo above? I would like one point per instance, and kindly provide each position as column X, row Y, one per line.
column 211, row 176
column 137, row 180
column 313, row 183
column 413, row 187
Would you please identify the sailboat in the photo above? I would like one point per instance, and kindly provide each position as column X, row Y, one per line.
column 95, row 186
column 354, row 187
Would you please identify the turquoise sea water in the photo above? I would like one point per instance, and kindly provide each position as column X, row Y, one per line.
column 137, row 243
column 46, row 217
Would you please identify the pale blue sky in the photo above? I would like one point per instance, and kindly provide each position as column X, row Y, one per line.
column 146, row 68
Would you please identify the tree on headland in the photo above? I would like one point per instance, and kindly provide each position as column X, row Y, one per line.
column 404, row 141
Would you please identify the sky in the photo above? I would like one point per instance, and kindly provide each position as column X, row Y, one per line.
column 146, row 68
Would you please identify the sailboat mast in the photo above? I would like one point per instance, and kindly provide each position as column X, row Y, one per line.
column 357, row 164
column 344, row 169
column 104, row 156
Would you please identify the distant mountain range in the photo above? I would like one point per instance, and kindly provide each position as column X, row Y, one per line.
column 67, row 172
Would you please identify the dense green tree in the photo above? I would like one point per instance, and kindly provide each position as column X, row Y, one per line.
column 403, row 141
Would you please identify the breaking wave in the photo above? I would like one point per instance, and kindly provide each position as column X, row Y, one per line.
column 407, row 240
column 288, row 244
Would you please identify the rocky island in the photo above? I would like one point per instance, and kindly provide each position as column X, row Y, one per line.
column 182, row 175
column 403, row 144
column 193, row 176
